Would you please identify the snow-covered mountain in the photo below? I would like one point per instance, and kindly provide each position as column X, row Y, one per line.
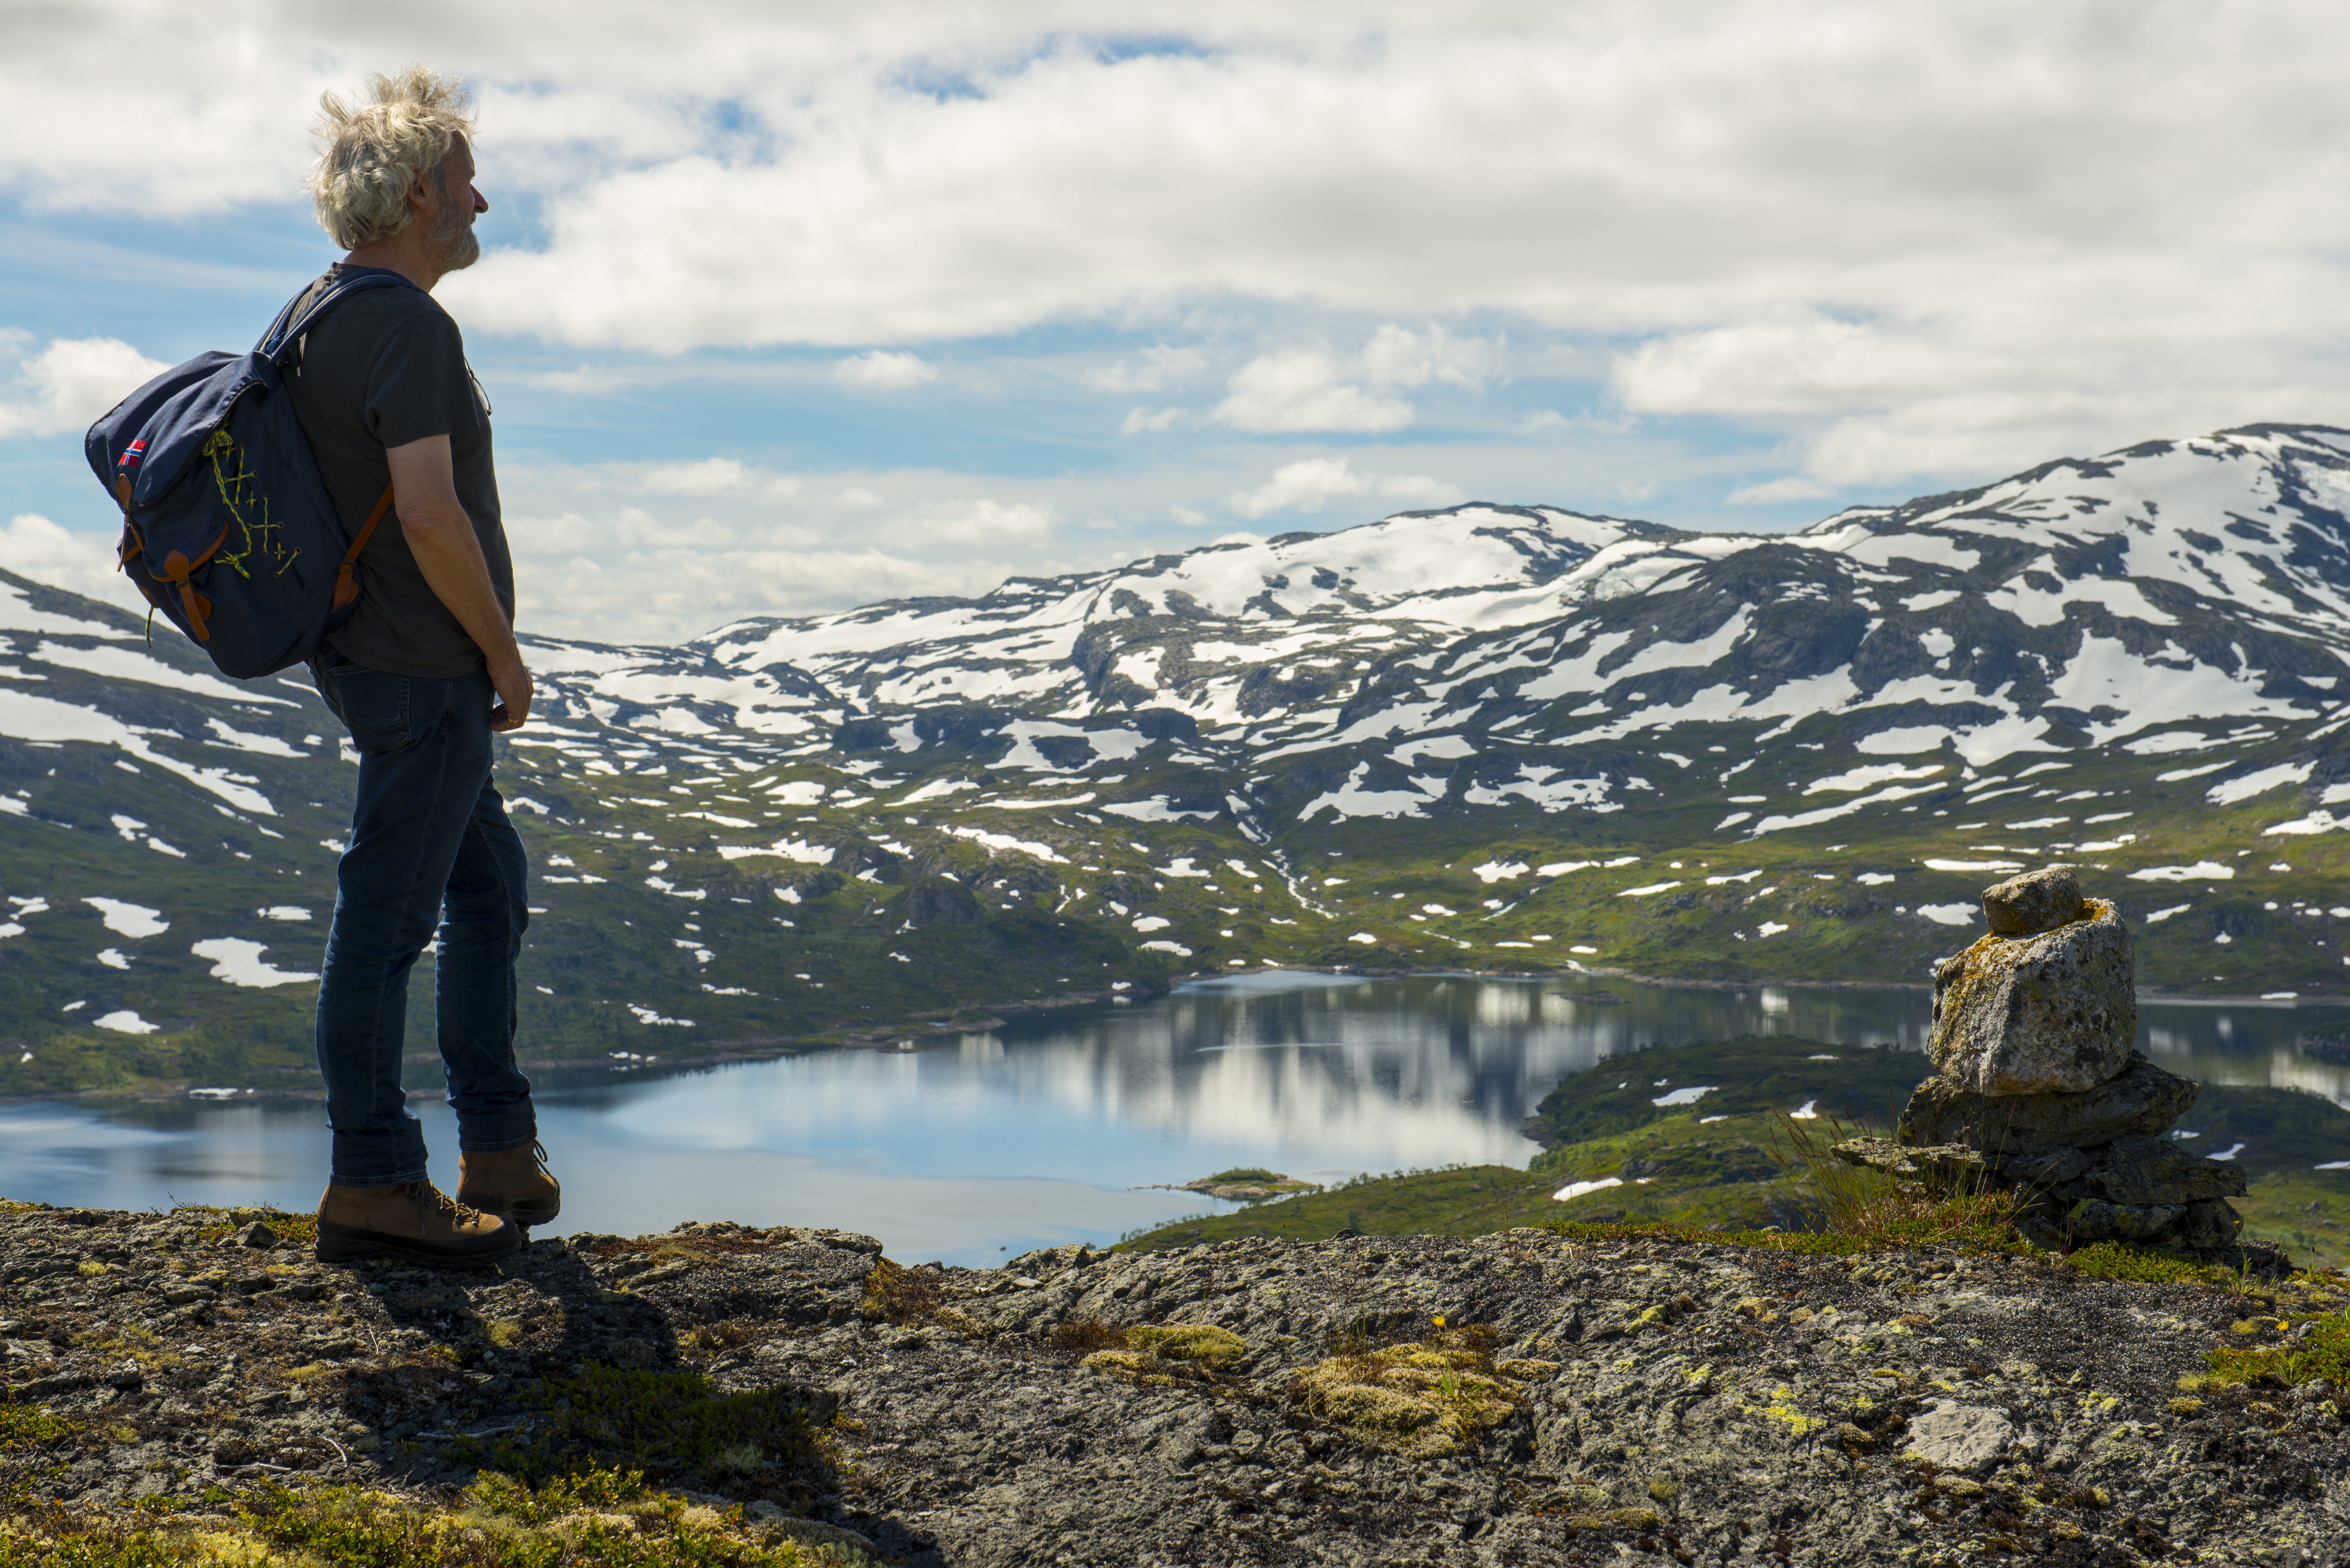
column 1495, row 735
column 2161, row 598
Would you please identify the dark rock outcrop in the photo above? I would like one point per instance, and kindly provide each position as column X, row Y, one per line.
column 1629, row 1401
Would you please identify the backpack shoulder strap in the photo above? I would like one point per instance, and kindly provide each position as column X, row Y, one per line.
column 346, row 587
column 288, row 327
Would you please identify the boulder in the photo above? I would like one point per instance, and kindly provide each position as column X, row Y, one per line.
column 2210, row 1224
column 2045, row 1168
column 2157, row 1170
column 2051, row 1013
column 2095, row 1220
column 2142, row 1100
column 2036, row 901
column 1967, row 1438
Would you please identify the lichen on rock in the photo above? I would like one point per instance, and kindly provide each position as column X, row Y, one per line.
column 2054, row 1011
column 2035, row 902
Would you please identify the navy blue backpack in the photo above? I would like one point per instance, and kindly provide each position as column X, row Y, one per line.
column 226, row 526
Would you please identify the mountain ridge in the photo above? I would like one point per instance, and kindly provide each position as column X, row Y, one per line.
column 1501, row 737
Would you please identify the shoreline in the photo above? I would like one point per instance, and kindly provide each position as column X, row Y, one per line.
column 908, row 1035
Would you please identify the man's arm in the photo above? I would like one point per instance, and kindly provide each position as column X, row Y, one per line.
column 439, row 534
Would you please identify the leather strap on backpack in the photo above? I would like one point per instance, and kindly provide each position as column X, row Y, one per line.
column 346, row 587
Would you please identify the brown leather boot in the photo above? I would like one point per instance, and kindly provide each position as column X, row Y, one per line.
column 411, row 1219
column 513, row 1182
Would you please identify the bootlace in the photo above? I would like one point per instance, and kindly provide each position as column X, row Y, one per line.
column 426, row 1196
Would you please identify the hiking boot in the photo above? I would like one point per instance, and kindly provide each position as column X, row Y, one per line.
column 410, row 1219
column 513, row 1182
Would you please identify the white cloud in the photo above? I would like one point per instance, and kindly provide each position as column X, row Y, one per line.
column 1943, row 239
column 32, row 546
column 1793, row 487
column 1155, row 421
column 666, row 593
column 1398, row 357
column 1311, row 389
column 71, row 382
column 661, row 568
column 1300, row 390
column 714, row 477
column 1150, row 371
column 1307, row 484
column 1301, row 486
column 976, row 522
column 882, row 370
column 1419, row 487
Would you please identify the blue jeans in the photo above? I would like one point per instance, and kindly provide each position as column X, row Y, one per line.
column 430, row 842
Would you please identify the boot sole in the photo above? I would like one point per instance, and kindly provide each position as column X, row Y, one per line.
column 344, row 1243
column 524, row 1214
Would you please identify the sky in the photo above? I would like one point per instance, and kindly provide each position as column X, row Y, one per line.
column 786, row 308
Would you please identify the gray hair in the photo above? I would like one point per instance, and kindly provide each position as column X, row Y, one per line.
column 371, row 154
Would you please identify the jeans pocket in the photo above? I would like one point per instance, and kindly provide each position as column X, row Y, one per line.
column 374, row 706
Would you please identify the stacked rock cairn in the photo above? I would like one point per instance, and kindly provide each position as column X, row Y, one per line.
column 2038, row 1088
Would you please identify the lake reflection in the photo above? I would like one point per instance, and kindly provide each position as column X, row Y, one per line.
column 973, row 1146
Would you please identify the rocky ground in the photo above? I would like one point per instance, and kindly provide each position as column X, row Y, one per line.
column 1522, row 1399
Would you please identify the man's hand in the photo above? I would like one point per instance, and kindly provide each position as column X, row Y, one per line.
column 515, row 691
column 447, row 551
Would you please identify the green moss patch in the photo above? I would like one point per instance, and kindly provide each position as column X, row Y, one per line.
column 602, row 1519
column 30, row 1427
column 1168, row 1353
column 2144, row 1265
column 1424, row 1398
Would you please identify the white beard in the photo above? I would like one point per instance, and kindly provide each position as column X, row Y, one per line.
column 455, row 244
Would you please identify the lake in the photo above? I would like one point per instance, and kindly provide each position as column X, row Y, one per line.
column 1041, row 1133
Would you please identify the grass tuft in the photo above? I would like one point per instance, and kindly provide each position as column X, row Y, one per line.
column 1856, row 1201
column 2323, row 1351
column 1084, row 1336
column 897, row 1295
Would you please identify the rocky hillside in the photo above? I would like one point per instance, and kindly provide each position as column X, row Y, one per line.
column 188, row 1381
column 1493, row 736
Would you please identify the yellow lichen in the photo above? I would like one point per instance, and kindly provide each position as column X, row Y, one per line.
column 1782, row 1409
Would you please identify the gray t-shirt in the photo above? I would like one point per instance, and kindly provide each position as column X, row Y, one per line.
column 380, row 368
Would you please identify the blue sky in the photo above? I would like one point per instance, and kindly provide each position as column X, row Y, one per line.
column 784, row 311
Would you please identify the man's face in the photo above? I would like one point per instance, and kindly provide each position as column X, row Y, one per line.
column 454, row 244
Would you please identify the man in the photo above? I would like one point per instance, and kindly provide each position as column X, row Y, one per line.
column 422, row 674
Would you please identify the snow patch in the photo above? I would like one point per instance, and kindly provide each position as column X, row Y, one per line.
column 238, row 962
column 128, row 919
